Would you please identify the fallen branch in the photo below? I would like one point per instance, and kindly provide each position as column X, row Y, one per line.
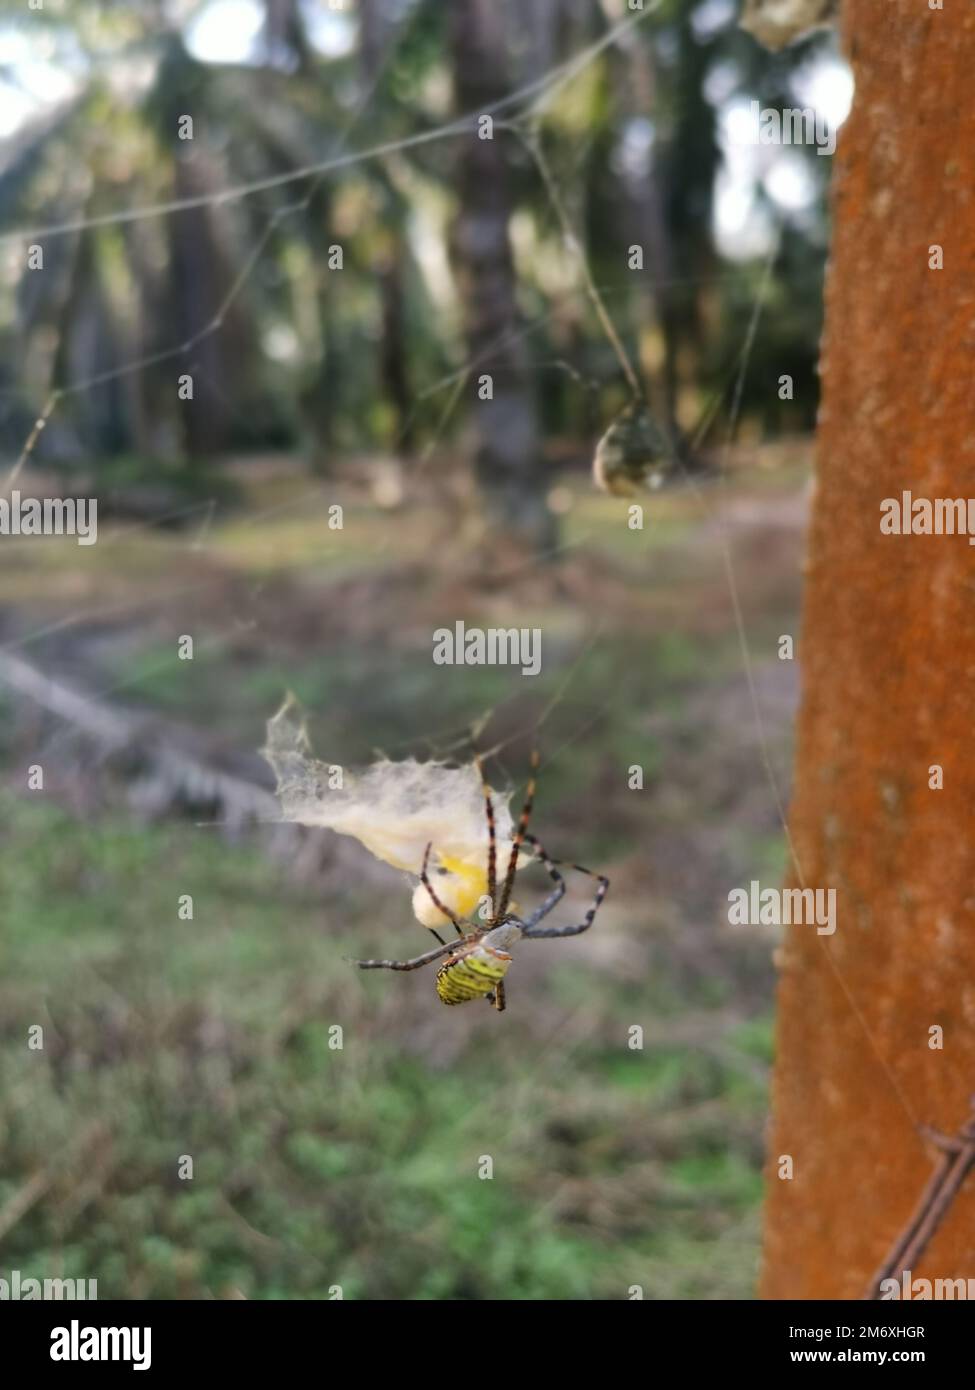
column 177, row 772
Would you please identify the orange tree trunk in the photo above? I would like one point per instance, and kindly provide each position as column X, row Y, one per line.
column 888, row 657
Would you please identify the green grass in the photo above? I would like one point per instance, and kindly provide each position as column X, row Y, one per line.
column 316, row 1167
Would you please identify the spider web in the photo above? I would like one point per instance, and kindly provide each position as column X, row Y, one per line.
column 521, row 112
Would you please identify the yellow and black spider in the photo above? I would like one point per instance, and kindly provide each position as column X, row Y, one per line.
column 475, row 965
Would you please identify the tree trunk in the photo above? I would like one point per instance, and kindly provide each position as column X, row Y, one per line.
column 394, row 351
column 200, row 278
column 888, row 687
column 508, row 452
column 285, row 43
column 644, row 188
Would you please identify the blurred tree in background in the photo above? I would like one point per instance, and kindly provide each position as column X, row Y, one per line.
column 453, row 254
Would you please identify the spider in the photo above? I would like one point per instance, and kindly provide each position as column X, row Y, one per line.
column 474, row 967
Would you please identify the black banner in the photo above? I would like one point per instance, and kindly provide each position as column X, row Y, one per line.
column 166, row 1339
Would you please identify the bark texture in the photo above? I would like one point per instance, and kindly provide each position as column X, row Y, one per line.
column 888, row 655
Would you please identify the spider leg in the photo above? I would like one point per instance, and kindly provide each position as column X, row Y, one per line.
column 492, row 834
column 526, row 811
column 498, row 1001
column 413, row 964
column 532, row 930
column 425, row 880
column 557, row 893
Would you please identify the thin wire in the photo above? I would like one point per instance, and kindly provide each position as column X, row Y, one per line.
column 545, row 86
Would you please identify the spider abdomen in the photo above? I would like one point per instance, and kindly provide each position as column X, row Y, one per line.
column 471, row 974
